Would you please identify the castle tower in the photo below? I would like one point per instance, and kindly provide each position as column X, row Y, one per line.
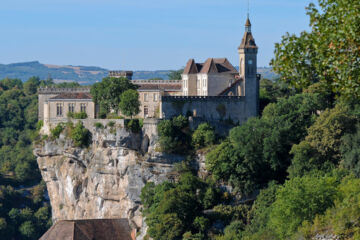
column 248, row 69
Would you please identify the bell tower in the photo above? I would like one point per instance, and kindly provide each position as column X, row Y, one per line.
column 248, row 69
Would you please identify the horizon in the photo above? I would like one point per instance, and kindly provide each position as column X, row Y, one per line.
column 95, row 33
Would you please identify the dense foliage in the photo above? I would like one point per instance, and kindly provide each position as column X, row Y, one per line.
column 129, row 104
column 174, row 135
column 24, row 213
column 258, row 151
column 108, row 92
column 328, row 54
column 203, row 136
column 174, row 210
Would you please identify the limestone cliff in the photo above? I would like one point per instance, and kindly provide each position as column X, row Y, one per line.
column 104, row 180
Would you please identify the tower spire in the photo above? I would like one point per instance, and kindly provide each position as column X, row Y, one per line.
column 248, row 23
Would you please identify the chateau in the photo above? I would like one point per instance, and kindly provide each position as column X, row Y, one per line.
column 213, row 90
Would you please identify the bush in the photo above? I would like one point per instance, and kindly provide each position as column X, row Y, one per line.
column 79, row 115
column 110, row 124
column 133, row 125
column 39, row 125
column 203, row 136
column 55, row 132
column 80, row 135
column 99, row 125
column 174, row 135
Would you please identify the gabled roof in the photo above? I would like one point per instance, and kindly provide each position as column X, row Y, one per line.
column 73, row 95
column 211, row 65
column 98, row 229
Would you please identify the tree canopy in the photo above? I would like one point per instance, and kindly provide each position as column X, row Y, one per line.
column 107, row 93
column 329, row 54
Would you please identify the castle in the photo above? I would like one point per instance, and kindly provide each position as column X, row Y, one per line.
column 213, row 91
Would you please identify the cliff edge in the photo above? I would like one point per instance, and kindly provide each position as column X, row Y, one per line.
column 105, row 179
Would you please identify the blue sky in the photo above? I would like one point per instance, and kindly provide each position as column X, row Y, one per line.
column 141, row 34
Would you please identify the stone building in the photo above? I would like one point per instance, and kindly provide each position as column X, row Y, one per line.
column 213, row 90
column 205, row 86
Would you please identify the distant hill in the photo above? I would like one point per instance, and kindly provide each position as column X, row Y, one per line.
column 82, row 74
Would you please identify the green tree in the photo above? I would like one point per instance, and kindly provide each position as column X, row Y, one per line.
column 203, row 136
column 301, row 199
column 350, row 151
column 107, row 93
column 174, row 135
column 175, row 75
column 31, row 85
column 80, row 135
column 321, row 148
column 130, row 104
column 328, row 54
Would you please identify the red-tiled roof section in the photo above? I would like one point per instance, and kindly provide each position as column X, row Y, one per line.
column 211, row 65
column 73, row 95
column 98, row 229
column 160, row 87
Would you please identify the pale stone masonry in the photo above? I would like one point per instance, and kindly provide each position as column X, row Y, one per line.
column 213, row 90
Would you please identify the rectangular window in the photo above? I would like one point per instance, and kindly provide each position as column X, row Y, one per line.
column 155, row 97
column 146, row 111
column 59, row 110
column 71, row 107
column 145, row 97
column 83, row 107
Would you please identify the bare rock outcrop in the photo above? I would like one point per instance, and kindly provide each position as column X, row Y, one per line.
column 105, row 179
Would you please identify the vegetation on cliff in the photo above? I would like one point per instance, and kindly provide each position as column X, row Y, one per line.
column 24, row 211
column 302, row 153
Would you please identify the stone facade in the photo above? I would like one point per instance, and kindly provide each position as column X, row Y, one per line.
column 212, row 108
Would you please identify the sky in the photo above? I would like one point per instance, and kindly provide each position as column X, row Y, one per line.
column 141, row 34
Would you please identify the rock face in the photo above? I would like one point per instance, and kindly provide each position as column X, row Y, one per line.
column 104, row 180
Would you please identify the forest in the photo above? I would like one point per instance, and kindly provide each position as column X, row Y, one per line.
column 291, row 173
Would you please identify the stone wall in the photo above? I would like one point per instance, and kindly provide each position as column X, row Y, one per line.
column 206, row 107
column 45, row 93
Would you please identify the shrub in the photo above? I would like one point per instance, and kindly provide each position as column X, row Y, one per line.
column 99, row 125
column 39, row 125
column 174, row 136
column 55, row 132
column 110, row 124
column 79, row 115
column 133, row 125
column 80, row 135
column 203, row 136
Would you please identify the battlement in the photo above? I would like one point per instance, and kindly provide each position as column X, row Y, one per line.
column 201, row 98
column 147, row 81
column 127, row 74
column 52, row 90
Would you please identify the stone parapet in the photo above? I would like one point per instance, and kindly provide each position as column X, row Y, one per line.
column 50, row 90
column 148, row 81
column 202, row 98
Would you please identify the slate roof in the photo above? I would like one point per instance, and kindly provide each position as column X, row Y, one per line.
column 73, row 95
column 211, row 65
column 97, row 229
column 248, row 41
